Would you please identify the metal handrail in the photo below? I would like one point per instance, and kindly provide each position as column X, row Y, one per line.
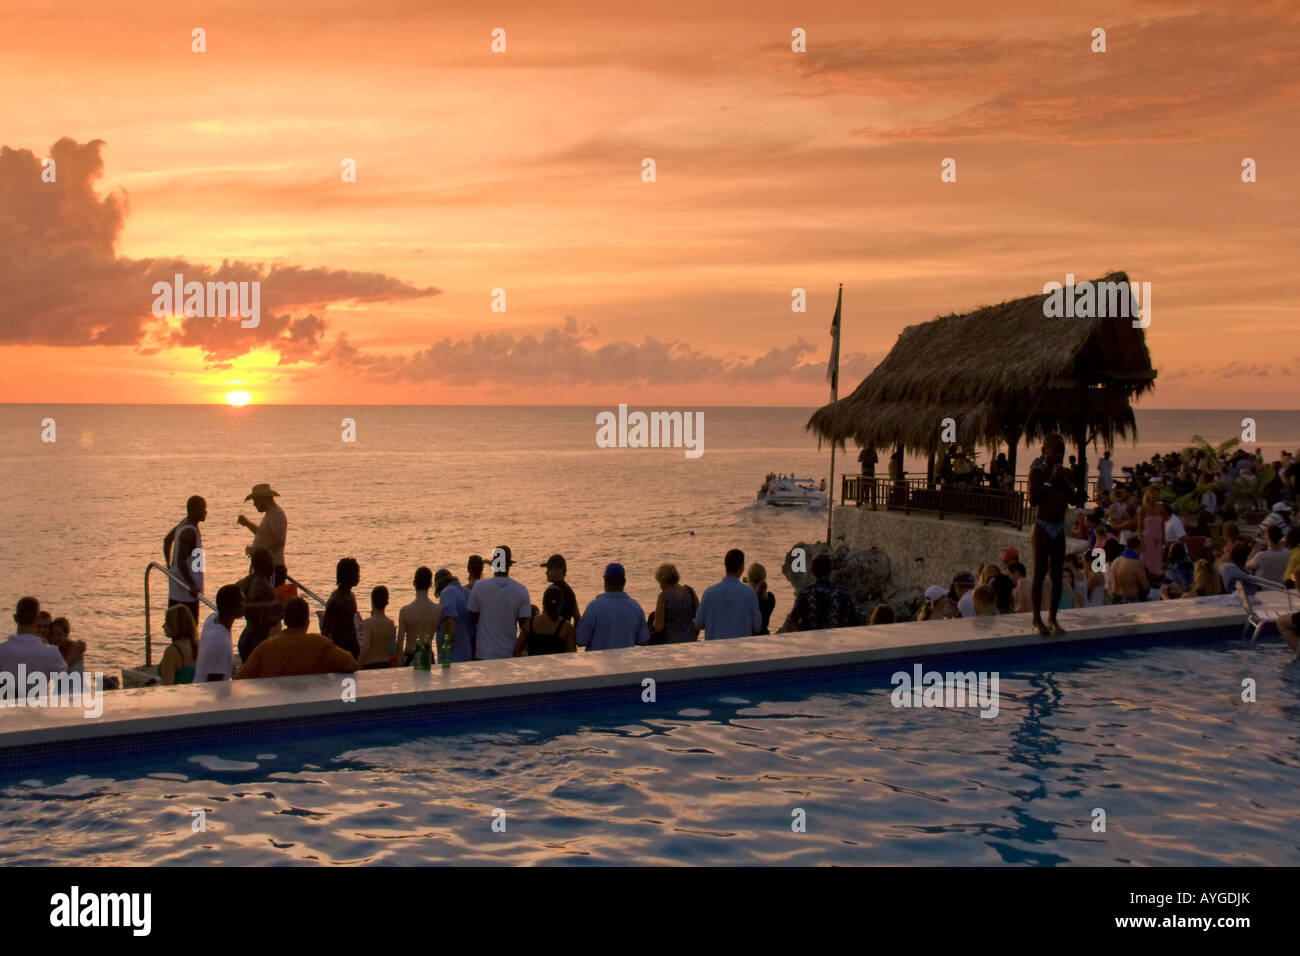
column 918, row 494
column 305, row 590
column 148, row 630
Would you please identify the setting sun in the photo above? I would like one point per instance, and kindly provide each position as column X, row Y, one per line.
column 238, row 398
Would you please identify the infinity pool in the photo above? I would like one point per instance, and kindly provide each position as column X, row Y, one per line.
column 1157, row 737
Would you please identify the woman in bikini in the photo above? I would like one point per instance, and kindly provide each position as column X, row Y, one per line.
column 178, row 660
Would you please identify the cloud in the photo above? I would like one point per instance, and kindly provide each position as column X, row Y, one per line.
column 1287, row 371
column 62, row 282
column 1149, row 86
column 567, row 356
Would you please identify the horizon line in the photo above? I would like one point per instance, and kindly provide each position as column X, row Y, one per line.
column 500, row 405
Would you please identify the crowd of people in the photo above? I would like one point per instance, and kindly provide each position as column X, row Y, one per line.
column 1131, row 546
column 41, row 641
column 491, row 616
column 1138, row 548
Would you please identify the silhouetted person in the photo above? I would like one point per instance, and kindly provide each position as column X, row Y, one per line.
column 179, row 549
column 294, row 651
column 613, row 619
column 419, row 618
column 342, row 624
column 868, row 457
column 550, row 631
column 216, row 658
column 556, row 569
column 824, row 603
column 1051, row 491
column 26, row 648
column 261, row 606
column 498, row 607
column 272, row 531
column 730, row 607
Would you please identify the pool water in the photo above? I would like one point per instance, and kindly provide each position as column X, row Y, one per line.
column 1157, row 737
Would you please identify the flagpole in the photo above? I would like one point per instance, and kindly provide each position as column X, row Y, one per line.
column 833, row 373
column 830, row 501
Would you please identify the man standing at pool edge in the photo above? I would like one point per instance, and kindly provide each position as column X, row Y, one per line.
column 1050, row 491
column 498, row 608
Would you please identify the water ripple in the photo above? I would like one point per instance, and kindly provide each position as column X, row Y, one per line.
column 1158, row 739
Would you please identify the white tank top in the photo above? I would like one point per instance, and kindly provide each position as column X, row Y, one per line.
column 178, row 592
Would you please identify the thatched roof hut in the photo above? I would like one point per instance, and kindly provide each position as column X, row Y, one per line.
column 1002, row 372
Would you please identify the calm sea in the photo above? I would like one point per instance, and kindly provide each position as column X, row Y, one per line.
column 82, row 516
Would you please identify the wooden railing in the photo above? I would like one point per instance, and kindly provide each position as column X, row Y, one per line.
column 916, row 494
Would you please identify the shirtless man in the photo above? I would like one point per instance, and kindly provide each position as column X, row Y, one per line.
column 271, row 531
column 1051, row 492
column 418, row 618
column 1129, row 575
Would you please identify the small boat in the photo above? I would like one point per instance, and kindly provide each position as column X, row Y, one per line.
column 789, row 491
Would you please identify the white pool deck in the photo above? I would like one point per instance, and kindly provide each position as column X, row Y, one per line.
column 158, row 709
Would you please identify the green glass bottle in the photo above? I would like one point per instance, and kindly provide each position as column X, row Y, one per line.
column 423, row 655
column 446, row 652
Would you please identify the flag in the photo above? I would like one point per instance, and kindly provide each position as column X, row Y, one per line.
column 833, row 367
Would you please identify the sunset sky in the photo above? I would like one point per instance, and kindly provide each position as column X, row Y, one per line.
column 522, row 170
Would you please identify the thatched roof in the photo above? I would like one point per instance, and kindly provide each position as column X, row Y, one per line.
column 1000, row 371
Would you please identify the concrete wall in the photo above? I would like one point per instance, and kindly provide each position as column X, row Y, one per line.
column 942, row 547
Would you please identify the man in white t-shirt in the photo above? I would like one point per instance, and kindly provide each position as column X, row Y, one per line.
column 27, row 648
column 963, row 586
column 1105, row 474
column 216, row 660
column 498, row 606
column 1174, row 527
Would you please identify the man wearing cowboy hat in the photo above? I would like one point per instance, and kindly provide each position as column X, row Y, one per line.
column 272, row 530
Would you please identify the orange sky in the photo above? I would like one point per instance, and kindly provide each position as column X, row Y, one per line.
column 522, row 171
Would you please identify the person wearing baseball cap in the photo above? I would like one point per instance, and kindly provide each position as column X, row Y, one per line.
column 498, row 607
column 271, row 531
column 453, row 598
column 1009, row 555
column 936, row 603
column 556, row 569
column 962, row 586
column 1279, row 515
column 613, row 619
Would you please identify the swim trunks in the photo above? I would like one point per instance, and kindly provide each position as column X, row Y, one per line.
column 1053, row 529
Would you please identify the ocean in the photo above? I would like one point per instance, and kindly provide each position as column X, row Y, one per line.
column 83, row 515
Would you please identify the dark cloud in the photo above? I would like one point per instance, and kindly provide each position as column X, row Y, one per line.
column 62, row 282
column 1286, row 371
column 566, row 356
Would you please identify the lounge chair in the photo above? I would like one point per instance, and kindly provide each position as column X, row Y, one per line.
column 1254, row 594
